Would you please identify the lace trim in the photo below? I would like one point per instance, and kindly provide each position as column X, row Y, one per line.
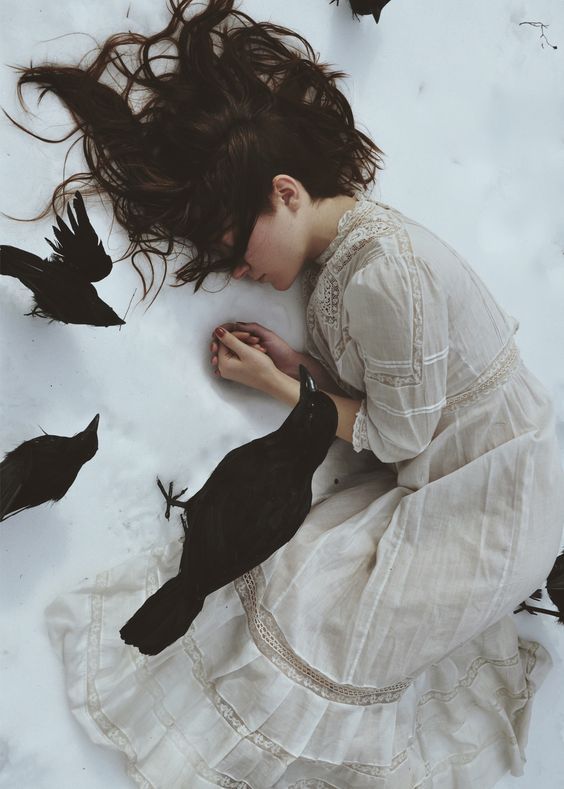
column 352, row 219
column 229, row 714
column 498, row 372
column 93, row 704
column 360, row 429
column 121, row 741
column 270, row 640
column 363, row 224
column 225, row 709
column 325, row 303
column 114, row 734
column 328, row 299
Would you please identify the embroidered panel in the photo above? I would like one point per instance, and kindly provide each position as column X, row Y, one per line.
column 270, row 640
column 324, row 309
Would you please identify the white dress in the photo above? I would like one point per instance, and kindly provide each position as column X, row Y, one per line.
column 377, row 649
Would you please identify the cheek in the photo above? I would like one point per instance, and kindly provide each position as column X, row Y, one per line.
column 274, row 244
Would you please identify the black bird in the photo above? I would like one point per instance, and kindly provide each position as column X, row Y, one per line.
column 43, row 468
column 555, row 589
column 62, row 283
column 252, row 504
column 364, row 7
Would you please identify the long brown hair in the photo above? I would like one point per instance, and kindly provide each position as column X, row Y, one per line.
column 207, row 112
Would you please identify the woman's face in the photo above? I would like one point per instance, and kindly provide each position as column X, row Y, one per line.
column 277, row 248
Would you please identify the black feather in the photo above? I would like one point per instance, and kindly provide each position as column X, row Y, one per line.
column 252, row 504
column 79, row 246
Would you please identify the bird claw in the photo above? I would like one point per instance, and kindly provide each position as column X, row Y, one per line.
column 171, row 501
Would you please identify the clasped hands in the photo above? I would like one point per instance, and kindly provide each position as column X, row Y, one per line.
column 251, row 354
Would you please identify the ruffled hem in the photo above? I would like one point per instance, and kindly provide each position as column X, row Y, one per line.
column 201, row 714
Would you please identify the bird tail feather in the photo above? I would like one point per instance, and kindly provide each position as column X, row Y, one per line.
column 163, row 618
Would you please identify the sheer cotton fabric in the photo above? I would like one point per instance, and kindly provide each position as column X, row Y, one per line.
column 377, row 648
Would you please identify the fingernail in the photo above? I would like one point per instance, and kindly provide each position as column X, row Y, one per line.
column 220, row 331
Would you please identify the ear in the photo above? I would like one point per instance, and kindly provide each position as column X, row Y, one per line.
column 287, row 189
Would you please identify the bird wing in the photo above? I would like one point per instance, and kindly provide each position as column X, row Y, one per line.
column 14, row 471
column 19, row 263
column 78, row 246
column 246, row 511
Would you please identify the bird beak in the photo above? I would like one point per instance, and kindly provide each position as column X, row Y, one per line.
column 307, row 384
column 93, row 426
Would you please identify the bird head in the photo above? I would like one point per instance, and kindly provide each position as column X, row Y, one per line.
column 87, row 439
column 313, row 420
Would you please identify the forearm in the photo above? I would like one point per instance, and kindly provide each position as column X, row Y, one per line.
column 283, row 387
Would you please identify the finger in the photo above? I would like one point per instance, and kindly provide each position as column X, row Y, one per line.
column 243, row 335
column 228, row 326
column 254, row 328
column 251, row 326
column 231, row 342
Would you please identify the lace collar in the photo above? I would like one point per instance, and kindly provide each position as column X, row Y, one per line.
column 350, row 219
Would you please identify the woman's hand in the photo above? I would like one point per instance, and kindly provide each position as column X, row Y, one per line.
column 241, row 362
column 286, row 359
column 244, row 336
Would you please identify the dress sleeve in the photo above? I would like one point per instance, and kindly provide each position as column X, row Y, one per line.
column 398, row 318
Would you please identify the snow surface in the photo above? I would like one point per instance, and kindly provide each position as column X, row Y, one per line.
column 467, row 105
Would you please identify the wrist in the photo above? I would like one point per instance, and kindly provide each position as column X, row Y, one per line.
column 282, row 387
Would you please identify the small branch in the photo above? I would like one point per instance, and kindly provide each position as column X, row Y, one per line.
column 542, row 36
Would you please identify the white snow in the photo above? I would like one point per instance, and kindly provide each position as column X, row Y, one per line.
column 467, row 106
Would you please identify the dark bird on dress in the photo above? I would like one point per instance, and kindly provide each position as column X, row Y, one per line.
column 364, row 7
column 43, row 468
column 555, row 589
column 62, row 283
column 252, row 504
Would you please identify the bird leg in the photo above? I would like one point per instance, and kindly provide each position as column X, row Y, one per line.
column 171, row 501
column 534, row 610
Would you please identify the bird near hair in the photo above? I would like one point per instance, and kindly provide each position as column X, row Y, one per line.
column 555, row 590
column 62, row 283
column 365, row 7
column 252, row 504
column 43, row 468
